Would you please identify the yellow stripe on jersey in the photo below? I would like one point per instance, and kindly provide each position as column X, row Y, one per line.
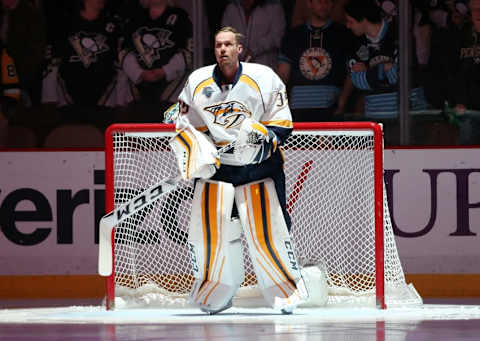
column 202, row 129
column 261, row 128
column 246, row 79
column 278, row 123
column 184, row 139
column 202, row 84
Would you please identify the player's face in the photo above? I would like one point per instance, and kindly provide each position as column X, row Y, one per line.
column 321, row 8
column 227, row 49
column 355, row 26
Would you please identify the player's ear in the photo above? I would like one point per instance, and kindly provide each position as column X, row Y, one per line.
column 239, row 48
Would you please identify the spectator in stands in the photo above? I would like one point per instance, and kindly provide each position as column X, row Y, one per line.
column 301, row 12
column 313, row 62
column 262, row 22
column 465, row 67
column 436, row 25
column 374, row 63
column 82, row 77
column 23, row 33
column 158, row 55
column 10, row 93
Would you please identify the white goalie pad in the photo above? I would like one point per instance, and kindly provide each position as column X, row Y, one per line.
column 196, row 155
column 269, row 244
column 315, row 280
column 215, row 246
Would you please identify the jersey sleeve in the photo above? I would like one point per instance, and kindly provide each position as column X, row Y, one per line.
column 188, row 111
column 277, row 116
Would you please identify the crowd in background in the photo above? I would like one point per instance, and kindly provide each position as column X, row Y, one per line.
column 91, row 63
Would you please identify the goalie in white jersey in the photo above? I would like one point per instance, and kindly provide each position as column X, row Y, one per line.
column 241, row 191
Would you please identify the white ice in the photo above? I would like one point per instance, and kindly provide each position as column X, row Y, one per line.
column 98, row 314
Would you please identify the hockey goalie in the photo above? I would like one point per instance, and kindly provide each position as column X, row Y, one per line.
column 240, row 192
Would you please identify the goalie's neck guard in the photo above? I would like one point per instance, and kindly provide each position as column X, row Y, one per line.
column 220, row 79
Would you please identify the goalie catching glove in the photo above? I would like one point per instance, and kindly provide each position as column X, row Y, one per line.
column 255, row 143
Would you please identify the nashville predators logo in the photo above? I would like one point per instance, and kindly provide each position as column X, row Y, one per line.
column 230, row 114
column 315, row 63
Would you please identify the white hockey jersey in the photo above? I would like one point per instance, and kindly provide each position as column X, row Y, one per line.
column 219, row 109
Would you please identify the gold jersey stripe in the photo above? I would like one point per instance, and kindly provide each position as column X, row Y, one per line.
column 278, row 123
column 247, row 80
column 184, row 139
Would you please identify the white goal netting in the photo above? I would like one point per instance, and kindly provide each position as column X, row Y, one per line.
column 330, row 183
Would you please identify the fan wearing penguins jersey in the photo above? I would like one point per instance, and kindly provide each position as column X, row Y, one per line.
column 244, row 103
column 158, row 56
column 82, row 73
column 374, row 64
column 313, row 61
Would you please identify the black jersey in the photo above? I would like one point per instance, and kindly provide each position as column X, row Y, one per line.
column 318, row 59
column 466, row 68
column 374, row 53
column 87, row 51
column 379, row 83
column 155, row 42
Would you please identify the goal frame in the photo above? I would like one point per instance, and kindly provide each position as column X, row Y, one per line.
column 376, row 129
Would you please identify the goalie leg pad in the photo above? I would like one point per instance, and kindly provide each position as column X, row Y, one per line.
column 269, row 244
column 215, row 246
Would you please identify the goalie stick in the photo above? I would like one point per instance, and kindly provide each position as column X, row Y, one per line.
column 139, row 202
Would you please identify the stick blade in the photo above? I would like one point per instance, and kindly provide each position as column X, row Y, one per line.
column 105, row 250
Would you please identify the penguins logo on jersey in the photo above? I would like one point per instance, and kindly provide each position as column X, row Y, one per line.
column 87, row 47
column 230, row 114
column 315, row 63
column 150, row 41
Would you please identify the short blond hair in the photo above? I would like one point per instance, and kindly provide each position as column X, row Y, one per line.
column 238, row 36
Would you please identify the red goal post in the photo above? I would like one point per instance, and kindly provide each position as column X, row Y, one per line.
column 341, row 161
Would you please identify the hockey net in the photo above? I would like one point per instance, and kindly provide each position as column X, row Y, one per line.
column 335, row 196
